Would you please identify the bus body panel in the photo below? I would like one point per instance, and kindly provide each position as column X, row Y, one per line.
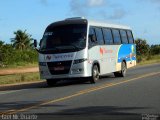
column 127, row 53
column 110, row 57
column 106, row 57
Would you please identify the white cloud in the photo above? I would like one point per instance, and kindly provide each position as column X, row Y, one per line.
column 84, row 7
column 118, row 14
column 44, row 2
column 96, row 3
column 78, row 7
column 155, row 1
column 95, row 8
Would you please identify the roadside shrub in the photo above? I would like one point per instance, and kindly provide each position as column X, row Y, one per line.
column 139, row 58
column 155, row 49
column 11, row 56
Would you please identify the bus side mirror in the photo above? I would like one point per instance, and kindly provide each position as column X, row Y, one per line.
column 35, row 43
column 92, row 37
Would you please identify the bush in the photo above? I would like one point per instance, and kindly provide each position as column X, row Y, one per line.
column 139, row 58
column 155, row 49
column 10, row 56
column 142, row 47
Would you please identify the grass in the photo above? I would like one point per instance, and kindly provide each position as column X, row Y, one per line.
column 19, row 78
column 20, row 65
column 149, row 60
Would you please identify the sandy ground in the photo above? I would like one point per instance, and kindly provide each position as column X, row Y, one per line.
column 19, row 70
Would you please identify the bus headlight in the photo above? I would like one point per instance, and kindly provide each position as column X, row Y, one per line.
column 79, row 61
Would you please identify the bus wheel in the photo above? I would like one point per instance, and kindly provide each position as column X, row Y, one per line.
column 95, row 74
column 117, row 74
column 123, row 71
column 51, row 82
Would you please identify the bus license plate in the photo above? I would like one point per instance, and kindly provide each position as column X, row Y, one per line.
column 58, row 68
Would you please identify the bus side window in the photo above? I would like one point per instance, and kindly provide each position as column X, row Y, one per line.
column 130, row 37
column 99, row 36
column 116, row 36
column 92, row 37
column 124, row 37
column 108, row 36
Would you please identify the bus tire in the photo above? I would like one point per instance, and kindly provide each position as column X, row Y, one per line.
column 117, row 74
column 51, row 82
column 123, row 71
column 95, row 74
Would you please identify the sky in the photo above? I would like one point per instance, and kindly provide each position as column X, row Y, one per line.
column 143, row 16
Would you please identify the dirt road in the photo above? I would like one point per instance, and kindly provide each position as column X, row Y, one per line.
column 19, row 70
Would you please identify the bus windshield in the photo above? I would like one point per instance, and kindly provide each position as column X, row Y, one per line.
column 64, row 38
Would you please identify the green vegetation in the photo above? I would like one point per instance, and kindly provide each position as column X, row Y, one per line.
column 19, row 53
column 22, row 40
column 13, row 57
column 19, row 78
column 147, row 54
column 149, row 60
column 19, row 65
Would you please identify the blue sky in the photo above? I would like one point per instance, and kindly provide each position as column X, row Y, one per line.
column 34, row 15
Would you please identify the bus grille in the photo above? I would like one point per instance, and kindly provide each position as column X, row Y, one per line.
column 60, row 67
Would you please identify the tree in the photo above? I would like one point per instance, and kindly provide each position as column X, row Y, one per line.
column 22, row 40
column 1, row 53
column 155, row 49
column 142, row 47
column 1, row 45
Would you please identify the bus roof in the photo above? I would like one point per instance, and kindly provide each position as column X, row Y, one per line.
column 107, row 24
column 77, row 20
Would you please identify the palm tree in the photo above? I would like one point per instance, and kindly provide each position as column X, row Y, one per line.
column 22, row 40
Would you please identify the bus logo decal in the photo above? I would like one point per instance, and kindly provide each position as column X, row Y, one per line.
column 101, row 51
column 48, row 57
